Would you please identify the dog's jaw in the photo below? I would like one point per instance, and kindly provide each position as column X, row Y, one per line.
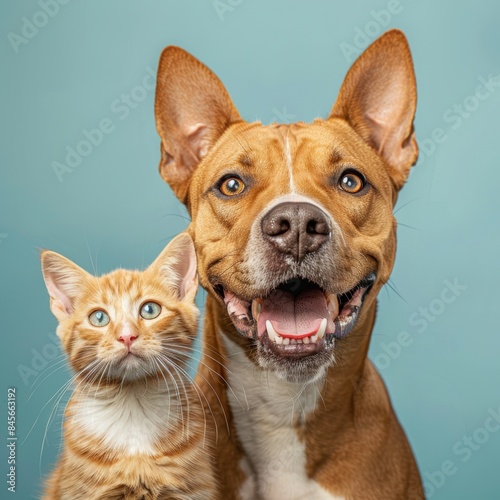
column 298, row 345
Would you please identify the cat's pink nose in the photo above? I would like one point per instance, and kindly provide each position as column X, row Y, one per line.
column 127, row 339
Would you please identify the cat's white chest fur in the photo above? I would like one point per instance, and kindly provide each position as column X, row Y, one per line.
column 130, row 420
column 265, row 409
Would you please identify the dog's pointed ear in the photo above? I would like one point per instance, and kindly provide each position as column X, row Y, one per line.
column 378, row 99
column 193, row 109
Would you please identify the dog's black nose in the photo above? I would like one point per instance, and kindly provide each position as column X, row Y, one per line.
column 296, row 228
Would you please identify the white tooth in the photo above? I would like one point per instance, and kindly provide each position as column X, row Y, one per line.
column 231, row 308
column 322, row 329
column 256, row 307
column 306, row 340
column 271, row 332
column 293, row 341
column 314, row 339
column 278, row 340
column 333, row 304
column 286, row 341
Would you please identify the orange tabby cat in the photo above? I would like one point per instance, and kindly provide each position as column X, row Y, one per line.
column 134, row 428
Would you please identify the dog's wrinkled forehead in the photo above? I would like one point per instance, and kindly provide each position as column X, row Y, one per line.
column 297, row 163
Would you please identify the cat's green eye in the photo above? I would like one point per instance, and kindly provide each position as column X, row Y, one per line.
column 150, row 310
column 99, row 318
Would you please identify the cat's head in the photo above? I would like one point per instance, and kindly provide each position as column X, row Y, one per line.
column 126, row 325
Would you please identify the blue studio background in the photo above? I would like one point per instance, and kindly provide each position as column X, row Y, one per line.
column 73, row 66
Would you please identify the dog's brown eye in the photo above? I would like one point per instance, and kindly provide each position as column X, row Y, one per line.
column 231, row 186
column 351, row 182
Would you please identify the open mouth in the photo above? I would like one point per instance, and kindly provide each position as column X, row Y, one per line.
column 297, row 318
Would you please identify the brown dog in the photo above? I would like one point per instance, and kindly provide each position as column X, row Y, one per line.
column 295, row 236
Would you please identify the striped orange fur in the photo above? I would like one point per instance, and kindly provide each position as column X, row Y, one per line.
column 134, row 427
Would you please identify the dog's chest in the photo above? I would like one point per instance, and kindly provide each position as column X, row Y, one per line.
column 266, row 413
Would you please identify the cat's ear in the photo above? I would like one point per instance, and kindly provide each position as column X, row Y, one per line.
column 64, row 281
column 176, row 265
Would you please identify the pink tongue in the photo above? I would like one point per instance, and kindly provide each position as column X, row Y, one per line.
column 291, row 316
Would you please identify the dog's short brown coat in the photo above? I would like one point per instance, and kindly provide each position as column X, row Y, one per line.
column 354, row 445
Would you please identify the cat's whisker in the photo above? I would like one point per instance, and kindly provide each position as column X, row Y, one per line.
column 185, row 399
column 176, row 390
column 50, row 420
column 214, row 372
column 204, row 353
column 63, row 388
column 201, row 362
column 167, row 385
column 195, row 358
column 52, row 369
column 102, row 375
column 199, row 374
column 58, row 396
column 94, row 370
column 200, row 393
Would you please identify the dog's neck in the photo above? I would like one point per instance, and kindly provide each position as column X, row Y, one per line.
column 279, row 402
column 275, row 419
